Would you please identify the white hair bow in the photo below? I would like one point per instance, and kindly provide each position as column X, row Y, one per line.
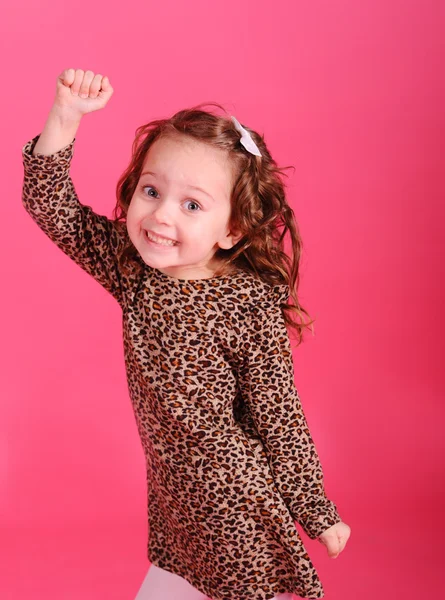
column 246, row 139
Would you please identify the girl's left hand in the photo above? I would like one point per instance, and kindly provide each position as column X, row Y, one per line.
column 335, row 538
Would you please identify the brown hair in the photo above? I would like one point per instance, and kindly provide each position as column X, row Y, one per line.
column 258, row 204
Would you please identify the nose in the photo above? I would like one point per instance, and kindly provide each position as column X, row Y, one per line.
column 163, row 212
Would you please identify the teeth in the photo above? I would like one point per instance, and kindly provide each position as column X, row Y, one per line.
column 158, row 240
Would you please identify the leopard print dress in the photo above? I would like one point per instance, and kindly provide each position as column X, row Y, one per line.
column 230, row 461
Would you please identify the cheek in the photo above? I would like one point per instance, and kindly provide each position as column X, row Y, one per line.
column 130, row 220
column 133, row 223
column 135, row 214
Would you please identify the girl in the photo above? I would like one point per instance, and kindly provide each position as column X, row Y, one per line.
column 195, row 259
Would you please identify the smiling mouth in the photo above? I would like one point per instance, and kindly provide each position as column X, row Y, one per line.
column 159, row 241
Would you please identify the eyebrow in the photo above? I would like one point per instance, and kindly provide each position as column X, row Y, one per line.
column 192, row 187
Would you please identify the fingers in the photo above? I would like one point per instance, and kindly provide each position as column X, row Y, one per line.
column 337, row 546
column 84, row 90
column 106, row 85
column 95, row 89
column 342, row 539
column 95, row 86
column 85, row 83
column 334, row 548
column 67, row 77
column 333, row 543
column 78, row 78
column 81, row 84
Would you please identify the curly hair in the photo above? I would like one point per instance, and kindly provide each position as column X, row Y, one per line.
column 259, row 209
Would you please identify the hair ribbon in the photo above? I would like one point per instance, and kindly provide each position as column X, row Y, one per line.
column 246, row 139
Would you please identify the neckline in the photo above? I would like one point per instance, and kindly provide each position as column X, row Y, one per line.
column 180, row 281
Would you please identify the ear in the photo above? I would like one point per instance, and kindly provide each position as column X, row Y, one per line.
column 230, row 240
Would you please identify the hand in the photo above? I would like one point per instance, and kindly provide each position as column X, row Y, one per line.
column 335, row 538
column 73, row 84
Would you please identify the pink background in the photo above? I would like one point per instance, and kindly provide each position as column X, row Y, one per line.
column 350, row 93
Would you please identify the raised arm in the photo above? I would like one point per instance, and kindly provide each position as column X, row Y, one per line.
column 266, row 379
column 93, row 241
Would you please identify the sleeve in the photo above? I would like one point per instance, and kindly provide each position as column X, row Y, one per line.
column 266, row 380
column 91, row 240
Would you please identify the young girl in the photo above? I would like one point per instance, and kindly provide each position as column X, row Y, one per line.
column 195, row 259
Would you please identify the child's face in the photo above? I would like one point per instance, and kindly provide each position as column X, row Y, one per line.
column 165, row 203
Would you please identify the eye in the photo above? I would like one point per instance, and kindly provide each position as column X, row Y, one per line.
column 147, row 186
column 196, row 204
column 144, row 187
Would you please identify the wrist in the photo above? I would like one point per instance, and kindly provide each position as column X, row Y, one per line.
column 64, row 117
column 60, row 129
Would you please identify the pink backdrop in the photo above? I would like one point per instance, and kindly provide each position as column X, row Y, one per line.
column 350, row 93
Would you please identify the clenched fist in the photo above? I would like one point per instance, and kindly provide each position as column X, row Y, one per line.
column 80, row 92
column 335, row 538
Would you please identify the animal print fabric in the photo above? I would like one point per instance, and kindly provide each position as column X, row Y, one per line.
column 230, row 462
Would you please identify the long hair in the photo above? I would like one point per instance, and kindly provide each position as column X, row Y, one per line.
column 259, row 209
